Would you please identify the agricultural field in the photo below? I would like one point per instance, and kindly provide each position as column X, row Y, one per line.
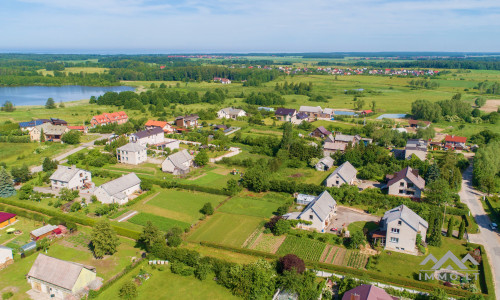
column 30, row 153
column 76, row 70
column 252, row 206
column 302, row 247
column 226, row 229
column 161, row 222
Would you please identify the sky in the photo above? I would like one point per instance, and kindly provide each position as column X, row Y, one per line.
column 243, row 26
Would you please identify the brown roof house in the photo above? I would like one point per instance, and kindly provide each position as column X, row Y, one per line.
column 367, row 292
column 320, row 132
column 61, row 279
column 187, row 121
column 405, row 183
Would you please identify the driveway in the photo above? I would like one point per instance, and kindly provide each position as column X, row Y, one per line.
column 486, row 237
column 348, row 215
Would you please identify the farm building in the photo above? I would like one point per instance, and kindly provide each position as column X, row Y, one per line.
column 320, row 132
column 7, row 219
column 44, row 232
column 118, row 190
column 286, row 114
column 51, row 132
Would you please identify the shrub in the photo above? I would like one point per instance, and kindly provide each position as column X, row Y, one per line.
column 207, row 209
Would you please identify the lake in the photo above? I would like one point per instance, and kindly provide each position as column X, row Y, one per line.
column 38, row 95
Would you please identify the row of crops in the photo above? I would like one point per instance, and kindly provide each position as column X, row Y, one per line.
column 355, row 259
column 303, row 247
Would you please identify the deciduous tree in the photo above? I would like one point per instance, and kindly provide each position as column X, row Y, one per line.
column 104, row 240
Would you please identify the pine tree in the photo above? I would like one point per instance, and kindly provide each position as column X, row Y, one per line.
column 50, row 104
column 449, row 231
column 6, row 184
column 104, row 239
column 461, row 230
column 42, row 136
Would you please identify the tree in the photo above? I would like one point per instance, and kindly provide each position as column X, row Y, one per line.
column 232, row 187
column 25, row 192
column 480, row 101
column 50, row 104
column 104, row 240
column 357, row 238
column 374, row 105
column 75, row 207
column 49, row 165
column 42, row 136
column 20, row 174
column 6, row 184
column 128, row 291
column 256, row 179
column 68, row 195
column 43, row 244
column 8, row 107
column 438, row 294
column 61, row 104
column 461, row 230
column 174, row 236
column 435, row 232
column 449, row 231
column 72, row 137
column 359, row 104
column 150, row 234
column 291, row 262
column 207, row 209
column 201, row 158
column 438, row 192
column 426, row 110
column 281, row 227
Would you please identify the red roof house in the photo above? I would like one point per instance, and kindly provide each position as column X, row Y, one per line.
column 119, row 117
column 453, row 141
column 367, row 292
column 82, row 129
column 167, row 128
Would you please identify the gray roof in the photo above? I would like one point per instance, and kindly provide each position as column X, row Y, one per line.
column 43, row 230
column 411, row 175
column 327, row 161
column 28, row 246
column 312, row 109
column 232, row 111
column 334, row 146
column 330, row 139
column 50, row 129
column 117, row 186
column 344, row 138
column 56, row 271
column 416, row 145
column 346, row 171
column 407, row 215
column 178, row 159
column 305, row 197
column 132, row 147
column 321, row 206
column 64, row 173
column 149, row 132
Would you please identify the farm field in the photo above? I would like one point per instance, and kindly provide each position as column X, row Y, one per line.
column 227, row 229
column 161, row 222
column 302, row 247
column 250, row 206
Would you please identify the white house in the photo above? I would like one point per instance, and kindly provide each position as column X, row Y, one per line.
column 118, row 190
column 324, row 164
column 406, row 182
column 132, row 153
column 345, row 174
column 230, row 113
column 178, row 163
column 6, row 257
column 319, row 212
column 151, row 136
column 311, row 111
column 401, row 226
column 70, row 177
column 60, row 279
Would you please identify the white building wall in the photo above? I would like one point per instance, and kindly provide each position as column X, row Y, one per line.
column 406, row 238
column 5, row 255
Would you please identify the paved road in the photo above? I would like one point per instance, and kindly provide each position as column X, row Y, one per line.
column 490, row 239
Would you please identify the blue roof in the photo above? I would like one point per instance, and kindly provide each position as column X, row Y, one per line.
column 28, row 246
column 31, row 123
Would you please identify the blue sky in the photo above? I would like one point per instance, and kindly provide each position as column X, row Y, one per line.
column 188, row 26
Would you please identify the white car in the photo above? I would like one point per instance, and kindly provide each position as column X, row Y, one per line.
column 494, row 226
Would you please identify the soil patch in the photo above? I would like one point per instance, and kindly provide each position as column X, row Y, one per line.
column 491, row 105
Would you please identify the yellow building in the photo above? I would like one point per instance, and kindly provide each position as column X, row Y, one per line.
column 6, row 219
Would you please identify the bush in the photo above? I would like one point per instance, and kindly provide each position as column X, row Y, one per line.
column 207, row 209
column 128, row 291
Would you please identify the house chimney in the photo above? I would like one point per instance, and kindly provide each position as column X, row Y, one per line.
column 355, row 296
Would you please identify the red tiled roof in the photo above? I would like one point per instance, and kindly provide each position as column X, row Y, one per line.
column 76, row 127
column 110, row 117
column 156, row 123
column 415, row 122
column 6, row 216
column 455, row 139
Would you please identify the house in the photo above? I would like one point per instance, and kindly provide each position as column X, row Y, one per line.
column 345, row 174
column 132, row 153
column 453, row 141
column 319, row 212
column 58, row 122
column 119, row 117
column 51, row 132
column 346, row 139
column 367, row 292
column 399, row 228
column 285, row 114
column 167, row 128
column 327, row 113
column 320, row 132
column 418, row 123
column 324, row 164
column 417, row 147
column 313, row 112
column 72, row 178
column 82, row 129
column 406, row 182
column 330, row 139
column 7, row 219
column 43, row 232
column 28, row 126
column 225, row 81
column 118, row 190
column 172, row 144
column 330, row 148
column 231, row 113
column 178, row 163
column 60, row 279
column 6, row 257
column 188, row 121
column 146, row 137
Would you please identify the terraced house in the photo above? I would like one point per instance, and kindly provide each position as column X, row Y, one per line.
column 119, row 117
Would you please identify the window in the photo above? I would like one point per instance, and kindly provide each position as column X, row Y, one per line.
column 337, row 182
column 401, row 191
column 395, row 230
column 410, row 185
column 402, row 183
column 311, row 217
column 394, row 240
column 399, row 222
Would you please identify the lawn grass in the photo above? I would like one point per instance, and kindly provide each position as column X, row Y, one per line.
column 362, row 225
column 15, row 154
column 173, row 286
column 251, row 206
column 161, row 222
column 15, row 241
column 227, row 229
column 213, row 179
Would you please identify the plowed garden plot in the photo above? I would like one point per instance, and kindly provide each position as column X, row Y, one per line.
column 268, row 243
column 303, row 247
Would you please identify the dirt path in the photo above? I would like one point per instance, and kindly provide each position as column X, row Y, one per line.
column 149, row 198
column 8, row 241
column 491, row 105
column 127, row 216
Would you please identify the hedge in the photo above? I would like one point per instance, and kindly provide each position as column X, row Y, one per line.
column 71, row 218
column 107, row 284
column 24, row 213
column 485, row 273
column 494, row 211
column 406, row 283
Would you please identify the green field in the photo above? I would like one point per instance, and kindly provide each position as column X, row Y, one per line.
column 251, row 206
column 15, row 154
column 161, row 222
column 227, row 229
column 305, row 248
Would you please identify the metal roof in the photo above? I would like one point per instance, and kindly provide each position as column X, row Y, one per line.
column 120, row 184
column 64, row 173
column 43, row 230
column 321, row 206
column 132, row 147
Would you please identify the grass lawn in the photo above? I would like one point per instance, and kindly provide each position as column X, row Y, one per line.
column 213, row 179
column 161, row 222
column 252, row 206
column 227, row 229
column 179, row 204
column 15, row 154
column 15, row 241
column 173, row 286
column 359, row 226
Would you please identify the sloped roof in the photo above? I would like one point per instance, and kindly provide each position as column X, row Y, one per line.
column 327, row 161
column 4, row 216
column 232, row 111
column 153, row 123
column 328, row 111
column 302, row 115
column 56, row 271
column 330, row 139
column 334, row 146
column 76, row 127
column 455, row 139
column 118, row 185
column 416, row 122
column 178, row 159
column 311, row 109
column 321, row 206
column 50, row 129
column 191, row 117
column 32, row 123
column 132, row 147
column 411, row 175
column 417, row 144
column 110, row 117
column 285, row 111
column 323, row 130
column 344, row 138
column 43, row 230
column 64, row 173
column 148, row 132
column 346, row 171
column 407, row 215
column 367, row 292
